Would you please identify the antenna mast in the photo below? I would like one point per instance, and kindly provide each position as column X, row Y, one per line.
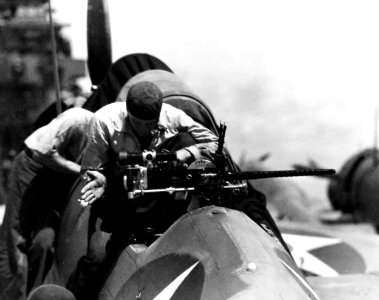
column 375, row 148
column 55, row 63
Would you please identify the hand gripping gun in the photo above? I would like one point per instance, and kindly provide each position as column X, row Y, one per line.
column 151, row 172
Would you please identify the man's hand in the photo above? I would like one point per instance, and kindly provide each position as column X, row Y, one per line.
column 94, row 189
column 184, row 156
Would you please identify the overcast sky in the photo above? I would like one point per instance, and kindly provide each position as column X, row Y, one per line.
column 298, row 79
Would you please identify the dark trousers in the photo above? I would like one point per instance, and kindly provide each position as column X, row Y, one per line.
column 35, row 198
column 40, row 256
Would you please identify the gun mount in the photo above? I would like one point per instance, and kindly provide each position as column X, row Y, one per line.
column 150, row 172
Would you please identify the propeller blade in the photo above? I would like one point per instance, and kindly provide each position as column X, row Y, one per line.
column 98, row 40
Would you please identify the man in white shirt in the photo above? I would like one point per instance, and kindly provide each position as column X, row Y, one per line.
column 41, row 177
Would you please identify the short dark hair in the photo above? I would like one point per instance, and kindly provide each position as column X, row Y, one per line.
column 144, row 100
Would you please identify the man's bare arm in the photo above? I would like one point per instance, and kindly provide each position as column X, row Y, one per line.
column 54, row 161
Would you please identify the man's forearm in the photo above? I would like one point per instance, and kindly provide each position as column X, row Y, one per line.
column 57, row 163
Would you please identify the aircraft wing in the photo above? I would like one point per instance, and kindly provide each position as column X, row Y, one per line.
column 332, row 250
column 347, row 287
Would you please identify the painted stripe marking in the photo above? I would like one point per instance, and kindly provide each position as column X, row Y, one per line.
column 169, row 290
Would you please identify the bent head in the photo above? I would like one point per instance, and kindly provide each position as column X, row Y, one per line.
column 144, row 104
column 143, row 127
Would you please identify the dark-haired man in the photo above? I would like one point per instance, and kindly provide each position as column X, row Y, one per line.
column 144, row 122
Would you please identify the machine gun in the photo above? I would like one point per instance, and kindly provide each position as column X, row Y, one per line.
column 151, row 172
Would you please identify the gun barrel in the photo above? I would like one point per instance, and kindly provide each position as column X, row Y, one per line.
column 250, row 175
